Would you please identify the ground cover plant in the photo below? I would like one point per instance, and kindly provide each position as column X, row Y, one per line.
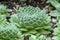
column 30, row 20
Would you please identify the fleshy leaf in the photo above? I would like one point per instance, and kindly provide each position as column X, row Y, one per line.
column 32, row 19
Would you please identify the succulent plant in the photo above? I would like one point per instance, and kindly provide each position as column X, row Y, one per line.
column 56, row 32
column 56, row 4
column 3, row 9
column 9, row 32
column 32, row 20
column 41, row 37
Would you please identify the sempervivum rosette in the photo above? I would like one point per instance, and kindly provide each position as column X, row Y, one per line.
column 57, row 32
column 9, row 32
column 32, row 20
column 3, row 9
column 41, row 37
